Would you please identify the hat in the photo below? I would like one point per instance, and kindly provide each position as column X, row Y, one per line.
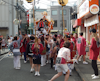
column 93, row 30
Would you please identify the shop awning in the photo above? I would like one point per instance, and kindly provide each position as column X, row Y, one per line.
column 77, row 23
column 54, row 30
column 91, row 21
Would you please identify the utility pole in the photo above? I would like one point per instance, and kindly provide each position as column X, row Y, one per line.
column 12, row 19
column 62, row 21
column 17, row 13
column 34, row 17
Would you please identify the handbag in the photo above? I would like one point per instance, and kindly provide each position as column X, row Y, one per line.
column 87, row 49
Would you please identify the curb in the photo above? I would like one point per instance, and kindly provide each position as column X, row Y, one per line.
column 3, row 53
column 84, row 78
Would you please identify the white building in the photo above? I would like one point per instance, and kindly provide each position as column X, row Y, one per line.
column 7, row 15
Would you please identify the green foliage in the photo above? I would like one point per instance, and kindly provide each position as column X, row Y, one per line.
column 88, row 42
column 74, row 32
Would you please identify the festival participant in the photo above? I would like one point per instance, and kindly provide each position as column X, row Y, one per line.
column 94, row 52
column 73, row 39
column 23, row 46
column 54, row 52
column 43, row 54
column 0, row 43
column 11, row 37
column 61, row 65
column 50, row 44
column 15, row 48
column 3, row 44
column 47, row 48
column 61, row 39
column 70, row 64
column 41, row 25
column 65, row 40
column 29, row 52
column 37, row 49
column 81, row 45
column 9, row 42
column 58, row 39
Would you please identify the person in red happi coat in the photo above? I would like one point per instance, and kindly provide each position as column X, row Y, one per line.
column 23, row 45
column 81, row 45
column 37, row 49
column 94, row 52
column 73, row 39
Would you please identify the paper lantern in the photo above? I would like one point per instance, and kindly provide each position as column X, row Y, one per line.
column 62, row 2
column 29, row 1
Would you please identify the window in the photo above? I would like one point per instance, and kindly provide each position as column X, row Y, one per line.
column 55, row 23
column 64, row 12
column 61, row 23
column 54, row 12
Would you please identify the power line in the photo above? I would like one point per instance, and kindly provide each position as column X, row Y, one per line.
column 8, row 3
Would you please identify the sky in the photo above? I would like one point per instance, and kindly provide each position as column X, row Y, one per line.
column 44, row 4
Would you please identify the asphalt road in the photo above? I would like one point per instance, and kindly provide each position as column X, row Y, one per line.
column 8, row 73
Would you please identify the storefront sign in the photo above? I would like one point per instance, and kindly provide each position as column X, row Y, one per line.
column 91, row 21
column 77, row 23
column 94, row 9
column 84, row 9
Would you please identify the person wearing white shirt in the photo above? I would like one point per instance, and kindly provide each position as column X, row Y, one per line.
column 11, row 37
column 61, row 62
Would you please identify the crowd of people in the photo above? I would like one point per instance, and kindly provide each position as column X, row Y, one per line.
column 61, row 52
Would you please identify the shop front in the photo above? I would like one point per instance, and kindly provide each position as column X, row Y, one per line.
column 77, row 25
column 88, row 12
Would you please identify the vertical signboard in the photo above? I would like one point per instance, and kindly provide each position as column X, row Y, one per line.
column 28, row 17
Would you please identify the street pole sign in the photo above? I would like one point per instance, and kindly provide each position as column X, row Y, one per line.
column 29, row 1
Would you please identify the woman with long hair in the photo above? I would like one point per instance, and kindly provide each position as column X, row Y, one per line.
column 37, row 49
column 94, row 52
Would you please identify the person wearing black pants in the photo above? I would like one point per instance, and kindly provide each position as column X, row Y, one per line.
column 94, row 52
column 51, row 62
column 94, row 66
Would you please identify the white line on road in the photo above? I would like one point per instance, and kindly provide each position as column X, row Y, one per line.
column 4, row 57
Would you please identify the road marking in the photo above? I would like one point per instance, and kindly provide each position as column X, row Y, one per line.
column 4, row 57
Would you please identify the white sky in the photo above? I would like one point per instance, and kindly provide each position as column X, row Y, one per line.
column 46, row 3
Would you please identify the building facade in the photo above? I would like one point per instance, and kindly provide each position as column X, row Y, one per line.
column 89, row 14
column 7, row 15
column 56, row 15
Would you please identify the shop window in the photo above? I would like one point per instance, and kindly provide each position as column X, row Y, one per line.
column 54, row 12
column 55, row 23
column 64, row 12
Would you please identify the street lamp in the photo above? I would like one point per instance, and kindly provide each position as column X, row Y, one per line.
column 62, row 3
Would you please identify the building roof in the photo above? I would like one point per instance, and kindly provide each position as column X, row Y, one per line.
column 41, row 10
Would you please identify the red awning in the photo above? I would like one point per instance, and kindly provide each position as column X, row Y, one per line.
column 77, row 23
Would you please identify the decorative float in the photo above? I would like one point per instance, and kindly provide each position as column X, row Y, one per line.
column 44, row 24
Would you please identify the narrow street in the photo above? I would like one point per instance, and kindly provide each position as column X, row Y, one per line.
column 8, row 73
